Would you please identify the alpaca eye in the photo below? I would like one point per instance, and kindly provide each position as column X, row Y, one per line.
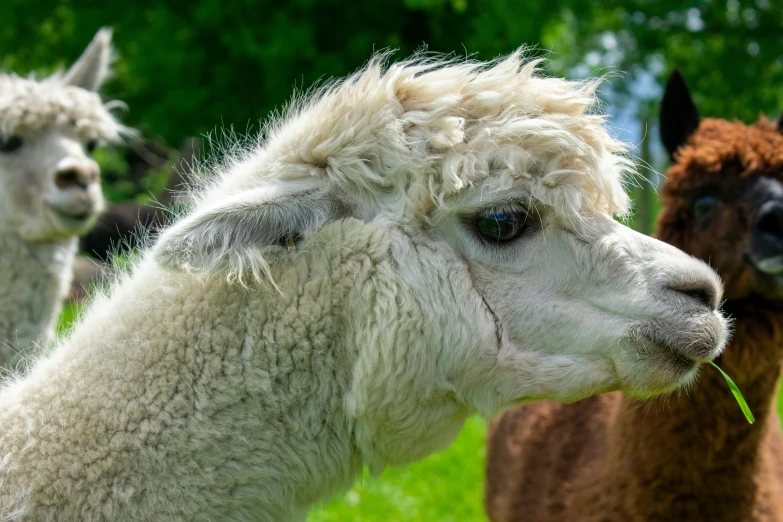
column 91, row 146
column 705, row 205
column 500, row 227
column 10, row 144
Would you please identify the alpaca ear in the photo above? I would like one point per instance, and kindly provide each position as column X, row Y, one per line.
column 92, row 68
column 679, row 117
column 243, row 233
column 780, row 123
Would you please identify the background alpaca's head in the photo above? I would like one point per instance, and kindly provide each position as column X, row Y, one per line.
column 49, row 185
column 723, row 197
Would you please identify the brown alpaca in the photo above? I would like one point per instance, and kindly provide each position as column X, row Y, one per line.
column 691, row 456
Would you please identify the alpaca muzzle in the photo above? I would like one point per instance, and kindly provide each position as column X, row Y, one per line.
column 766, row 253
column 695, row 339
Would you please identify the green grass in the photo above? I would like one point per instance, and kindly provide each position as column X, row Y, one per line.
column 67, row 317
column 737, row 395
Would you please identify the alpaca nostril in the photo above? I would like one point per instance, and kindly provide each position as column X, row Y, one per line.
column 768, row 231
column 700, row 295
column 73, row 177
column 705, row 295
column 66, row 178
column 770, row 223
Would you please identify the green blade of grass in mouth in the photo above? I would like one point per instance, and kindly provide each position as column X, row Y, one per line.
column 737, row 395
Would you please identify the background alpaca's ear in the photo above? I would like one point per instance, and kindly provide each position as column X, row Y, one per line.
column 679, row 117
column 780, row 123
column 92, row 67
column 243, row 233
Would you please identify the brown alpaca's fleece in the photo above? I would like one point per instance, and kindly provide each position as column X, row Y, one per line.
column 757, row 148
column 687, row 457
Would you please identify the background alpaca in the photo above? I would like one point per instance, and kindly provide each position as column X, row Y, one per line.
column 49, row 191
column 690, row 457
column 440, row 241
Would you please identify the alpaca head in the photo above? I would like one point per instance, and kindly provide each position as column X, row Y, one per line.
column 48, row 128
column 723, row 197
column 485, row 195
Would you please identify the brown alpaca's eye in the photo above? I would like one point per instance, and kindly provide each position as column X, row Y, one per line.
column 11, row 144
column 500, row 227
column 705, row 205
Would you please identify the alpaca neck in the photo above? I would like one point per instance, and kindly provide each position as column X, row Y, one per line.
column 246, row 404
column 34, row 280
column 698, row 445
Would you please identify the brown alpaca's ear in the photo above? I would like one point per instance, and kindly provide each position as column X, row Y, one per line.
column 679, row 117
column 780, row 123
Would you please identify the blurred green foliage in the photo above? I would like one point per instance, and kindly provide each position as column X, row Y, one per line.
column 188, row 68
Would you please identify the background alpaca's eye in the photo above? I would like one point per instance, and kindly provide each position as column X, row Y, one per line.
column 705, row 205
column 10, row 144
column 500, row 227
column 91, row 146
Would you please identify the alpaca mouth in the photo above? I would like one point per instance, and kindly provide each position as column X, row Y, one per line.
column 75, row 215
column 661, row 350
column 663, row 355
column 71, row 219
column 678, row 343
column 78, row 216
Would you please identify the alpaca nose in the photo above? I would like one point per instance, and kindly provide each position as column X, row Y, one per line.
column 768, row 230
column 704, row 291
column 76, row 176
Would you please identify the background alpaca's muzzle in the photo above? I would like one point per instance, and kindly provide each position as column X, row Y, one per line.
column 75, row 200
column 77, row 175
column 766, row 253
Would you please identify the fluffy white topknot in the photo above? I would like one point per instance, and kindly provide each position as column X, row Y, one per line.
column 28, row 106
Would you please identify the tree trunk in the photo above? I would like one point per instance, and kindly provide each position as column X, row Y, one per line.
column 644, row 203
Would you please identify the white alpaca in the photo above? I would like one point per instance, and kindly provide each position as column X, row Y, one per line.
column 441, row 242
column 50, row 191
